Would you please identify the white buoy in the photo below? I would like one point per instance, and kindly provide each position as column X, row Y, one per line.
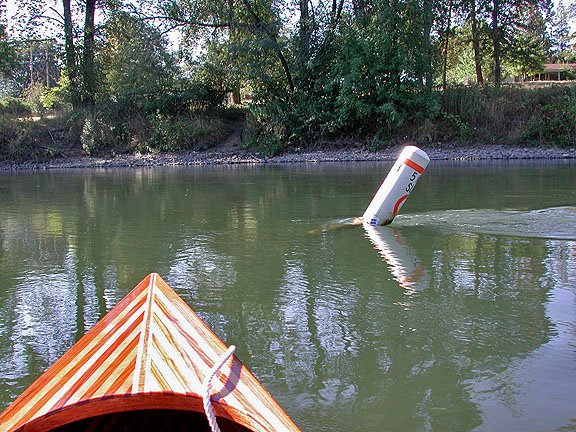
column 397, row 186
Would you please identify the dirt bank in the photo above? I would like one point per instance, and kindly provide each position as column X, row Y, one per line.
column 229, row 155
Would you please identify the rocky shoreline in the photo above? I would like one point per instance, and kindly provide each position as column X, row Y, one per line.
column 235, row 156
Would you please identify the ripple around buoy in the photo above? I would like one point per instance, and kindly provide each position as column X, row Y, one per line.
column 549, row 223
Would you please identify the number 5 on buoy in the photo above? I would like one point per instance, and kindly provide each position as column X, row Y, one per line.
column 399, row 183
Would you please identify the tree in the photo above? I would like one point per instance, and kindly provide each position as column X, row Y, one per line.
column 528, row 46
column 88, row 72
column 497, row 33
column 79, row 68
column 476, row 43
column 134, row 57
column 462, row 62
column 381, row 66
column 506, row 18
column 560, row 34
column 70, row 55
column 7, row 49
column 236, row 21
column 444, row 23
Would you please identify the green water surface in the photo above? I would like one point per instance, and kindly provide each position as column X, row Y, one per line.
column 460, row 316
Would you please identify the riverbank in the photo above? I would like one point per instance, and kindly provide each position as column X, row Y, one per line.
column 231, row 155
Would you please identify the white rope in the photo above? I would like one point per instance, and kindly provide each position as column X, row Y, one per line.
column 208, row 387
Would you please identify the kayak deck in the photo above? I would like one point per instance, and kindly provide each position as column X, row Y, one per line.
column 150, row 352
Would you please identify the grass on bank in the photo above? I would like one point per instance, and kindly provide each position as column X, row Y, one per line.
column 513, row 115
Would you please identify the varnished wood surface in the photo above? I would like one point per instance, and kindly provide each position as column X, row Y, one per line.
column 149, row 352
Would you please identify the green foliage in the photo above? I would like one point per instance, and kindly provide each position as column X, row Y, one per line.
column 517, row 115
column 14, row 107
column 552, row 113
column 33, row 96
column 134, row 59
column 194, row 98
column 103, row 131
column 267, row 128
column 365, row 81
column 57, row 97
column 15, row 138
column 185, row 133
column 7, row 52
column 461, row 66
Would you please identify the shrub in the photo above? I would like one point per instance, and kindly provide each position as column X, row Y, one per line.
column 185, row 132
column 516, row 115
column 14, row 107
column 33, row 97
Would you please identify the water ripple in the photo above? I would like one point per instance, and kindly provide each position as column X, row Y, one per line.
column 549, row 223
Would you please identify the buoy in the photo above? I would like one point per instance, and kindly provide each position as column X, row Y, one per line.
column 397, row 185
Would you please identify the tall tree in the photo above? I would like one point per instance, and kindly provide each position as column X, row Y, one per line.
column 507, row 20
column 428, row 22
column 497, row 36
column 445, row 30
column 88, row 72
column 256, row 21
column 70, row 54
column 476, row 43
column 560, row 34
column 7, row 50
column 134, row 58
column 78, row 56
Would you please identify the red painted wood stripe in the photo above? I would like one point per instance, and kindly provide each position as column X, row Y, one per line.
column 414, row 166
column 399, row 203
column 104, row 357
column 78, row 363
column 111, row 369
column 123, row 377
column 70, row 357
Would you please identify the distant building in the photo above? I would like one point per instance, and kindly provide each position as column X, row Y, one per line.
column 556, row 72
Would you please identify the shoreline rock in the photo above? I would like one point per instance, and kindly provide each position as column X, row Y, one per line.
column 243, row 157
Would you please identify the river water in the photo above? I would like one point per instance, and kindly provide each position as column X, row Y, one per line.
column 459, row 316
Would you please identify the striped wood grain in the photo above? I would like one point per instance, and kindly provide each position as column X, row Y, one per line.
column 149, row 352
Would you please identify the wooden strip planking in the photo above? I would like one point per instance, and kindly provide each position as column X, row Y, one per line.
column 150, row 351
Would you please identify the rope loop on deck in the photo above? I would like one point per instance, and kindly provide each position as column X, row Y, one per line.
column 207, row 403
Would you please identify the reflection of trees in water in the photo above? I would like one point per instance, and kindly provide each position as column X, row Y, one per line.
column 411, row 358
column 320, row 318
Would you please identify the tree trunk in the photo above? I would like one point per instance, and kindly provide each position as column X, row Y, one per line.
column 70, row 50
column 88, row 72
column 304, row 38
column 233, row 40
column 496, row 37
column 427, row 44
column 446, row 44
column 304, row 31
column 258, row 23
column 476, row 44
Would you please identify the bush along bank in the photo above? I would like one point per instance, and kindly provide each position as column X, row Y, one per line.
column 516, row 116
column 511, row 115
column 132, row 124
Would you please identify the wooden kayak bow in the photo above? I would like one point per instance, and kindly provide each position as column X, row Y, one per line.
column 143, row 367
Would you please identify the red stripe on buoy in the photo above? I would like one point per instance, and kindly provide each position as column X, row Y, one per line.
column 414, row 166
column 398, row 204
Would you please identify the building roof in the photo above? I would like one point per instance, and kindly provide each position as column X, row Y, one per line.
column 559, row 67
